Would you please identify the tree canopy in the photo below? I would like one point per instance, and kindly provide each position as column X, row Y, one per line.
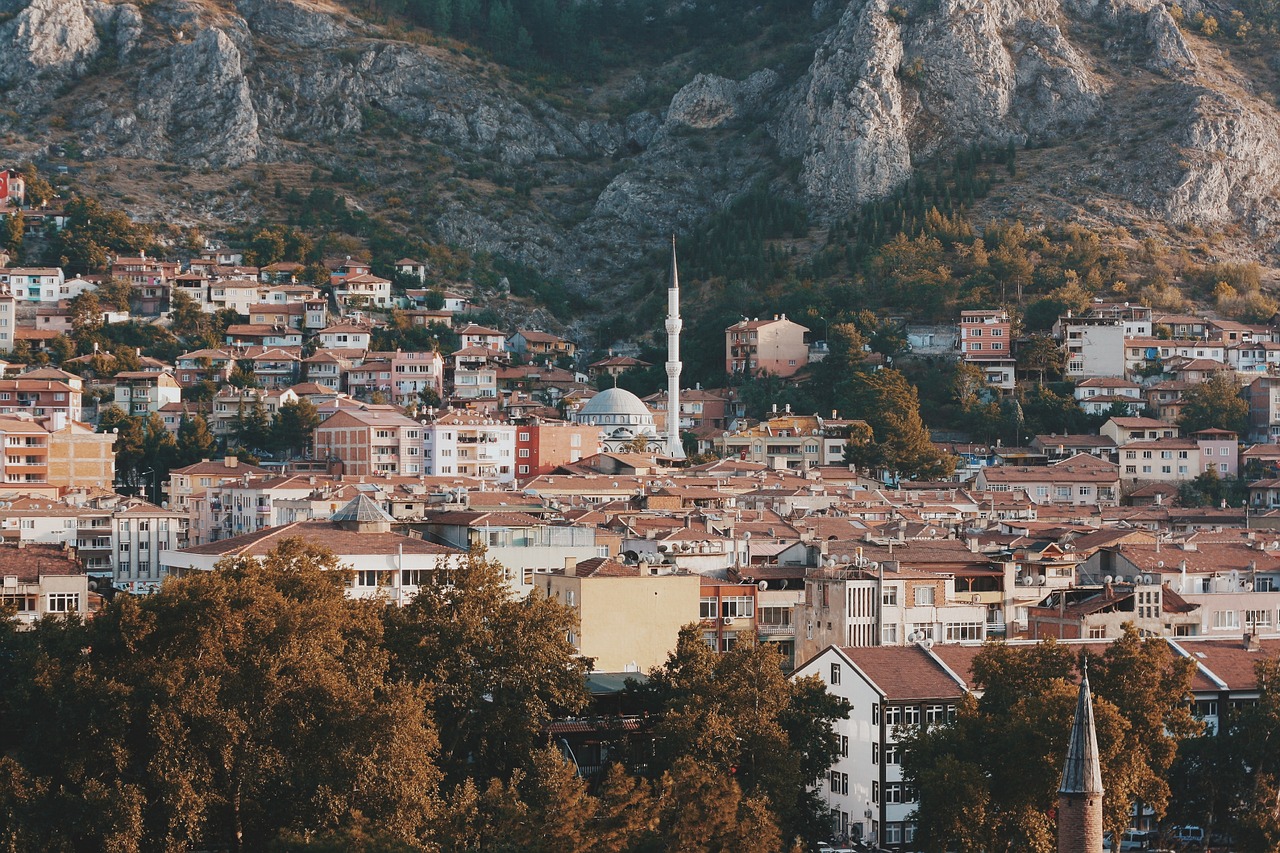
column 1215, row 403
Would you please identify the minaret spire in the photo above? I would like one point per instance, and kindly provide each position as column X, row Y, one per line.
column 1080, row 794
column 675, row 447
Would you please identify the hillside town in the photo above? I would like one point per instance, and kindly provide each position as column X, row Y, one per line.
column 645, row 514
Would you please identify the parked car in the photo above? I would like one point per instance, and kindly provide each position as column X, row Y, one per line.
column 1188, row 837
column 1132, row 839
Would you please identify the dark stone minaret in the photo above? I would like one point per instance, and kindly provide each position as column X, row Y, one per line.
column 1080, row 794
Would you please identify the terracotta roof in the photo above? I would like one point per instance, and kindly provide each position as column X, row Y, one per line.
column 30, row 562
column 904, row 673
column 1229, row 660
column 341, row 542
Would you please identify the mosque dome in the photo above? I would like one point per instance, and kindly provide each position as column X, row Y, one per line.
column 615, row 401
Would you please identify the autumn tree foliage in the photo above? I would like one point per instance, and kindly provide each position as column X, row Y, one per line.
column 974, row 798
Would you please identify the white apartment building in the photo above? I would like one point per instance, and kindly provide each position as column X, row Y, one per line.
column 8, row 318
column 1095, row 346
column 33, row 284
column 471, row 445
column 142, row 532
column 142, row 392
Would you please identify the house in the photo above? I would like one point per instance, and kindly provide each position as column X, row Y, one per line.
column 1168, row 460
column 475, row 375
column 472, row 335
column 1219, row 451
column 196, row 479
column 1095, row 346
column 411, row 267
column 250, row 334
column 140, row 392
column 630, row 614
column 1124, row 430
column 39, row 397
column 791, row 441
column 542, row 446
column 356, row 291
column 530, row 344
column 40, row 581
column 615, row 365
column 383, row 565
column 1097, row 395
column 373, row 441
column 888, row 689
column 345, row 336
column 986, row 343
column 776, row 347
column 469, row 444
column 33, row 284
column 1081, row 480
column 13, row 188
column 1263, row 395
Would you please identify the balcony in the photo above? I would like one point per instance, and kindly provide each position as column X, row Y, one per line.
column 776, row 630
column 264, row 510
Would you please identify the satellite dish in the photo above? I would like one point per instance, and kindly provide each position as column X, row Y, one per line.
column 762, row 585
column 928, row 644
column 1027, row 580
column 1040, row 580
column 1108, row 579
column 1159, row 564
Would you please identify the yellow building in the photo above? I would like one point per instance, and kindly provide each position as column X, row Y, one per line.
column 81, row 458
column 630, row 616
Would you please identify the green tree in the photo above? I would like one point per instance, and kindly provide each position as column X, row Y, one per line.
column 188, row 321
column 86, row 313
column 901, row 444
column 1215, row 403
column 115, row 293
column 1042, row 356
column 293, row 426
column 195, row 441
column 497, row 670
column 11, row 234
column 251, row 426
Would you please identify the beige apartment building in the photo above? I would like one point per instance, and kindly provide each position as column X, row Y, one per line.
column 629, row 616
column 772, row 346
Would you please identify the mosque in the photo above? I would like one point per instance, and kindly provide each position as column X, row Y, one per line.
column 623, row 417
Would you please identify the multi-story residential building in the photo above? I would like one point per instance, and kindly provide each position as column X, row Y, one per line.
column 8, row 318
column 466, row 443
column 630, row 615
column 1125, row 430
column 888, row 689
column 236, row 294
column 39, row 398
column 532, row 344
column 1163, row 460
column 791, row 441
column 1095, row 346
column 231, row 404
column 140, row 392
column 286, row 315
column 755, row 347
column 1082, row 480
column 1254, row 357
column 251, row 335
column 542, row 446
column 384, row 565
column 415, row 372
column 1183, row 326
column 475, row 374
column 472, row 335
column 1263, row 395
column 329, row 367
column 1098, row 394
column 986, row 341
column 699, row 409
column 356, row 291
column 142, row 532
column 212, row 365
column 26, row 454
column 1142, row 353
column 41, row 581
column 34, row 284
column 79, row 457
column 194, row 480
column 345, row 336
column 411, row 267
column 376, row 440
column 276, row 368
column 1219, row 451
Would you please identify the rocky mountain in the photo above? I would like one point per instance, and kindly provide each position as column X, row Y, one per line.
column 1135, row 120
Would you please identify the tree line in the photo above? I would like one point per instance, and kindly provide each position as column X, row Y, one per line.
column 257, row 708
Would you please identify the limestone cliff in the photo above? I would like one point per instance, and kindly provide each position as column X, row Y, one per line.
column 222, row 86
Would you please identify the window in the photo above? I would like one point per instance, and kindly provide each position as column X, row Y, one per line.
column 911, row 715
column 898, row 792
column 707, row 608
column 1097, row 632
column 64, row 602
column 892, row 753
column 743, row 606
column 1223, row 619
column 875, row 791
column 1257, row 618
column 844, row 746
column 875, row 713
column 888, row 635
column 414, row 577
column 889, row 596
column 923, row 596
column 935, row 714
column 875, row 753
column 958, row 631
column 893, row 715
column 368, row 577
column 835, row 673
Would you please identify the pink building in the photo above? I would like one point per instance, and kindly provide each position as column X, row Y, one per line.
column 1219, row 450
column 986, row 342
column 765, row 346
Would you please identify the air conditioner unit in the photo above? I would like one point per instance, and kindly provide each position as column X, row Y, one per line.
column 728, row 620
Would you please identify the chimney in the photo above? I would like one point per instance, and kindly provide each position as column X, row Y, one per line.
column 571, row 567
column 231, row 461
column 1251, row 643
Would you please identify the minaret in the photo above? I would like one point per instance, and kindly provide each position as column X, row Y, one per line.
column 1080, row 794
column 675, row 448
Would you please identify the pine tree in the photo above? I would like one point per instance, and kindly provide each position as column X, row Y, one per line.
column 195, row 440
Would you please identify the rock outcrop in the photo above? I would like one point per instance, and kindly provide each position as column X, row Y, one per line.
column 1173, row 133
